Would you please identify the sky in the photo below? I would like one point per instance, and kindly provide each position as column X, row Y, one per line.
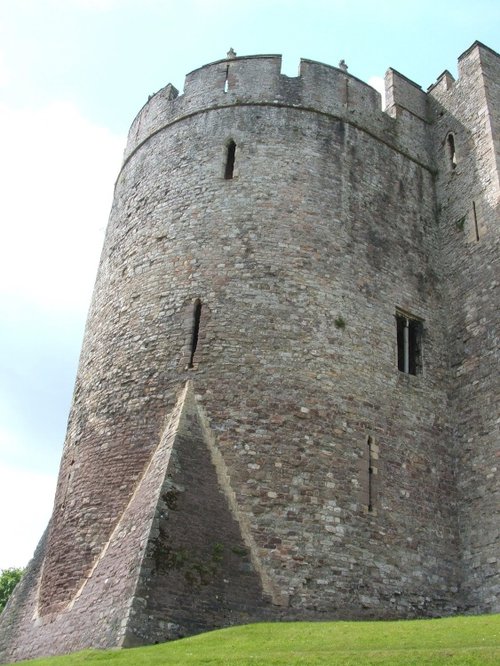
column 73, row 74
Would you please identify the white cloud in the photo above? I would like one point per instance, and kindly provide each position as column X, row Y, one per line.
column 26, row 499
column 57, row 171
column 10, row 442
column 4, row 72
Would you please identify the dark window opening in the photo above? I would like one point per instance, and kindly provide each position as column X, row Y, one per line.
column 409, row 335
column 452, row 154
column 476, row 226
column 230, row 157
column 370, row 474
column 195, row 331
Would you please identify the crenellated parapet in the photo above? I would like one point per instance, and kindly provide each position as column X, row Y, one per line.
column 257, row 80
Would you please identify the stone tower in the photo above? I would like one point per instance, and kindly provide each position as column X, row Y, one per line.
column 287, row 399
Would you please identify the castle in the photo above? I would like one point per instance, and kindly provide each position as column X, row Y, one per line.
column 287, row 402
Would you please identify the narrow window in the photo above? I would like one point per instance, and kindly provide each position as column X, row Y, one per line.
column 230, row 156
column 226, row 81
column 370, row 474
column 195, row 331
column 452, row 154
column 476, row 226
column 409, row 338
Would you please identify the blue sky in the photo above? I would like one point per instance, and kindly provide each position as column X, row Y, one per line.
column 73, row 74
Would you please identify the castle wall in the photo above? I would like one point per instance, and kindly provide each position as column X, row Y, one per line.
column 308, row 448
column 468, row 200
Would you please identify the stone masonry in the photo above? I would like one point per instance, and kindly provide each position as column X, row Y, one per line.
column 287, row 403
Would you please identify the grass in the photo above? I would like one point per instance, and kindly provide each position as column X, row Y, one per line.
column 474, row 641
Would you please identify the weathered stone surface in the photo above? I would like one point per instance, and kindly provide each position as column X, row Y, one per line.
column 468, row 198
column 277, row 463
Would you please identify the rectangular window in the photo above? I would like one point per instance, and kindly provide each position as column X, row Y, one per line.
column 409, row 336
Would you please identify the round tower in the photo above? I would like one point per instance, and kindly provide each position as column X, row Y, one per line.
column 259, row 422
column 260, row 244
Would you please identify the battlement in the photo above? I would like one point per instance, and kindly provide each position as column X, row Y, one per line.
column 320, row 88
column 257, row 80
column 470, row 62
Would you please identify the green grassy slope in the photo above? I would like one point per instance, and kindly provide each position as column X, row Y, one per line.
column 474, row 641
